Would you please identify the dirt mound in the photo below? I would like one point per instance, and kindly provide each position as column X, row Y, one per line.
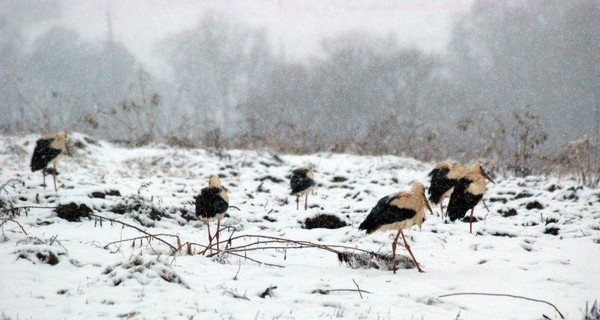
column 325, row 221
column 73, row 212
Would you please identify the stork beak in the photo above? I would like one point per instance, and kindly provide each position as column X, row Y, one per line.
column 428, row 207
column 67, row 149
column 427, row 204
column 487, row 176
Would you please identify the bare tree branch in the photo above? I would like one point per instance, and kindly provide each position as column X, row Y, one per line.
column 502, row 295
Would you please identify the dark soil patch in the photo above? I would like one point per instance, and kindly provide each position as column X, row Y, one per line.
column 508, row 213
column 503, row 200
column 534, row 205
column 269, row 219
column 49, row 258
column 339, row 179
column 523, row 195
column 325, row 221
column 139, row 209
column 42, row 256
column 73, row 212
column 552, row 230
column 271, row 178
column 501, row 234
column 103, row 194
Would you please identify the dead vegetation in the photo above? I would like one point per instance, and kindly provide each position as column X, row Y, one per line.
column 372, row 260
column 42, row 251
column 73, row 212
column 143, row 270
column 325, row 221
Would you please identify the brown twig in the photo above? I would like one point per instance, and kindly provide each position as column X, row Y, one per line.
column 502, row 295
column 149, row 235
column 14, row 221
column 271, row 239
column 233, row 294
column 357, row 288
column 268, row 292
column 328, row 291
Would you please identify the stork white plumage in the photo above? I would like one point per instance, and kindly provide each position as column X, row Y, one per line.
column 398, row 211
column 443, row 178
column 49, row 148
column 212, row 203
column 301, row 182
column 468, row 191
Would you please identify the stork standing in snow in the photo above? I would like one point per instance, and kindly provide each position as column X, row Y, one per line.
column 211, row 203
column 443, row 178
column 49, row 148
column 468, row 191
column 301, row 182
column 398, row 211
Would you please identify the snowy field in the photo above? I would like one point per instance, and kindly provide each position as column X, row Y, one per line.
column 547, row 248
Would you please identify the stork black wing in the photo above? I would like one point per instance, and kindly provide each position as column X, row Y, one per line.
column 461, row 200
column 300, row 181
column 439, row 184
column 43, row 154
column 210, row 203
column 384, row 213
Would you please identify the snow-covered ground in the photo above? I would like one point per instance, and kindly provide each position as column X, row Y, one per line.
column 549, row 250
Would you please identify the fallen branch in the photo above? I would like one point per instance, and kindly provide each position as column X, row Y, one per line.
column 237, row 255
column 502, row 295
column 148, row 235
column 328, row 291
column 13, row 221
column 268, row 292
column 233, row 294
column 358, row 288
column 270, row 239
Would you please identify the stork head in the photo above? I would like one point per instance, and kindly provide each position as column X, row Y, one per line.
column 61, row 137
column 214, row 182
column 476, row 167
column 419, row 189
column 304, row 170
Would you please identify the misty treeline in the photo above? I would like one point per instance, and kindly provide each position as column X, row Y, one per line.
column 519, row 86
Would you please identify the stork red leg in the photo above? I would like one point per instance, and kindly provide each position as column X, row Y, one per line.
column 44, row 175
column 209, row 236
column 442, row 210
column 409, row 251
column 297, row 202
column 471, row 221
column 394, row 250
column 306, row 202
column 54, row 176
column 218, row 231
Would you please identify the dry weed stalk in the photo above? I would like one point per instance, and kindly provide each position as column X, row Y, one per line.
column 503, row 295
column 581, row 158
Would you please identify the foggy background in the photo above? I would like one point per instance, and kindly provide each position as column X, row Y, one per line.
column 515, row 82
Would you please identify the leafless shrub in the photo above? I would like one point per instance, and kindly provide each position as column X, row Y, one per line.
column 581, row 158
column 175, row 140
column 592, row 313
column 133, row 120
column 280, row 136
column 508, row 143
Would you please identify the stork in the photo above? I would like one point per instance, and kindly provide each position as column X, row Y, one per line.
column 301, row 182
column 398, row 211
column 49, row 148
column 212, row 202
column 443, row 177
column 468, row 190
